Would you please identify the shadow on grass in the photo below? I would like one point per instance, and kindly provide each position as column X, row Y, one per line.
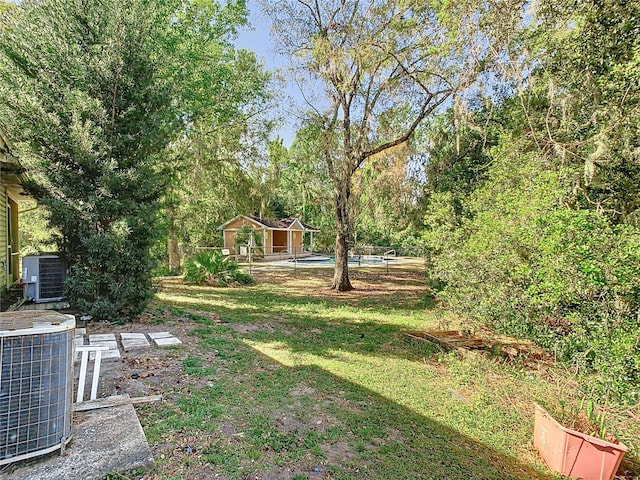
column 309, row 324
column 388, row 441
column 313, row 324
column 334, row 428
column 310, row 334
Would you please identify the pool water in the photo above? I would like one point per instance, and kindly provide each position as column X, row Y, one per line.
column 355, row 260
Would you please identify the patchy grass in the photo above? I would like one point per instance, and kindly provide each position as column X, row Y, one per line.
column 298, row 382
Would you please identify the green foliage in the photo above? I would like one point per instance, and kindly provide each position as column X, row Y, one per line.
column 304, row 185
column 375, row 63
column 217, row 166
column 591, row 56
column 215, row 269
column 544, row 242
column 35, row 234
column 248, row 236
column 526, row 264
column 84, row 94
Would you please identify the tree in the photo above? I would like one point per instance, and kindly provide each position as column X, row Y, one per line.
column 302, row 183
column 383, row 66
column 223, row 96
column 538, row 235
column 219, row 159
column 589, row 52
column 86, row 95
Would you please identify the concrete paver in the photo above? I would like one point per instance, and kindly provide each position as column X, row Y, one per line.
column 163, row 342
column 154, row 335
column 133, row 340
column 101, row 337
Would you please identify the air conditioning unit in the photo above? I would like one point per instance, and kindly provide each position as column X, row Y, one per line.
column 36, row 383
column 43, row 278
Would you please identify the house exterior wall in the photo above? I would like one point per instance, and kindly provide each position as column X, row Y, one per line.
column 9, row 238
column 4, row 254
column 14, row 241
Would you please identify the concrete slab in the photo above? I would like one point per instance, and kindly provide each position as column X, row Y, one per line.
column 102, row 337
column 131, row 341
column 131, row 336
column 112, row 354
column 106, row 355
column 164, row 342
column 112, row 344
column 104, row 440
column 154, row 335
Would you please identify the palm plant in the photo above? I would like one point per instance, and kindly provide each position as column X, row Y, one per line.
column 215, row 269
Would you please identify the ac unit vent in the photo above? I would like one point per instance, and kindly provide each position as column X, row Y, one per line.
column 43, row 277
column 36, row 383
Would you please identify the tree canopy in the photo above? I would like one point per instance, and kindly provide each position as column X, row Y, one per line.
column 382, row 67
column 93, row 94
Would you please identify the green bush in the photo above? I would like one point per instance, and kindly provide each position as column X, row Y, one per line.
column 214, row 269
column 109, row 278
column 526, row 264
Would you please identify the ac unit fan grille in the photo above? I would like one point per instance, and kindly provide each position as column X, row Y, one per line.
column 34, row 393
column 51, row 278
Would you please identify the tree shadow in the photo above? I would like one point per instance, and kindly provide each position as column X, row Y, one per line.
column 380, row 439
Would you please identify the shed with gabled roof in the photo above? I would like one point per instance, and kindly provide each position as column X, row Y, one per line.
column 282, row 235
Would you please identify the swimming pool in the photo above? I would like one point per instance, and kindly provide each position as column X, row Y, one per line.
column 353, row 260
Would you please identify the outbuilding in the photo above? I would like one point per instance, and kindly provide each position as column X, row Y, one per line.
column 279, row 236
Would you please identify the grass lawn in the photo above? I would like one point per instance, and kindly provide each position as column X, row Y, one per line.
column 297, row 382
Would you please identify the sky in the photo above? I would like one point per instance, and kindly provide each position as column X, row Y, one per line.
column 259, row 40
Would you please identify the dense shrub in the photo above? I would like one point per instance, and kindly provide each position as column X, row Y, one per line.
column 526, row 264
column 215, row 269
column 91, row 133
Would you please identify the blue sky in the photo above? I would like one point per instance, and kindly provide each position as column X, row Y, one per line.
column 259, row 40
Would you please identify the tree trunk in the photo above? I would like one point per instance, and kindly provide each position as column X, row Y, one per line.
column 173, row 252
column 341, row 281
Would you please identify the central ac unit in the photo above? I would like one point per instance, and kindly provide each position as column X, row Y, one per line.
column 36, row 383
column 43, row 278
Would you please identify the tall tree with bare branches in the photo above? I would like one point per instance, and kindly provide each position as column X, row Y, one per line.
column 371, row 72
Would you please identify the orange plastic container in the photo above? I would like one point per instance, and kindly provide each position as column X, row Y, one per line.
column 574, row 454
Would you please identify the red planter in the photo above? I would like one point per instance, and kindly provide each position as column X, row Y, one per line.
column 574, row 454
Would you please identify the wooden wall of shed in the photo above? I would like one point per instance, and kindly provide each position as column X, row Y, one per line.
column 296, row 241
column 267, row 241
column 280, row 241
column 230, row 241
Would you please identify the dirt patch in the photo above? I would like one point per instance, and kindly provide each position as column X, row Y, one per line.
column 243, row 328
column 366, row 283
column 339, row 452
column 302, row 390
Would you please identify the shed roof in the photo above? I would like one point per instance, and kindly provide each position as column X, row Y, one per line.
column 277, row 224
